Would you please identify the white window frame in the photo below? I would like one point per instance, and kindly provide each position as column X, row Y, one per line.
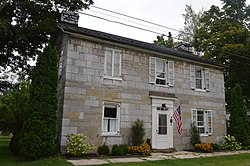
column 112, row 68
column 118, row 106
column 205, row 78
column 168, row 74
column 208, row 123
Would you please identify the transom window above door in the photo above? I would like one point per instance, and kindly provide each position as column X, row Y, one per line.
column 161, row 71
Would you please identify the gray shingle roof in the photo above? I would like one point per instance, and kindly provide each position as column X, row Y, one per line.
column 136, row 43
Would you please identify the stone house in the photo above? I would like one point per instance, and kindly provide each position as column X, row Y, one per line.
column 107, row 82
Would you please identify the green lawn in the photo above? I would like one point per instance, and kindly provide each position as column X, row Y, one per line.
column 234, row 160
column 8, row 159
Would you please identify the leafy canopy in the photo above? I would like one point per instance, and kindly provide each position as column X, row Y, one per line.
column 169, row 42
column 224, row 36
column 27, row 25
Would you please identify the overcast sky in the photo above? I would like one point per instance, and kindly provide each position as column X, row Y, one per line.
column 164, row 12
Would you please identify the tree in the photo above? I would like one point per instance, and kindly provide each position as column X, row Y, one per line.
column 38, row 137
column 27, row 25
column 194, row 135
column 169, row 43
column 224, row 36
column 239, row 127
column 14, row 105
column 137, row 133
column 191, row 24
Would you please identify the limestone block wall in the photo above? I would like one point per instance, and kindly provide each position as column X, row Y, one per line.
column 83, row 91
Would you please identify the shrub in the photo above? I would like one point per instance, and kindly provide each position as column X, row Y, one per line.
column 204, row 147
column 230, row 143
column 76, row 146
column 216, row 147
column 38, row 136
column 125, row 148
column 239, row 126
column 103, row 150
column 140, row 149
column 117, row 150
column 194, row 135
column 137, row 133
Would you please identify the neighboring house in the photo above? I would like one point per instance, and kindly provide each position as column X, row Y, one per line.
column 107, row 82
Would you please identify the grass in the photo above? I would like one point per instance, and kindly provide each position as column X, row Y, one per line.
column 8, row 159
column 232, row 160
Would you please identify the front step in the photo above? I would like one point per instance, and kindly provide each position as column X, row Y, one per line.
column 169, row 150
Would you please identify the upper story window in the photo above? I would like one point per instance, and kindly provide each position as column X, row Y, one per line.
column 161, row 71
column 203, row 121
column 199, row 78
column 112, row 63
column 111, row 119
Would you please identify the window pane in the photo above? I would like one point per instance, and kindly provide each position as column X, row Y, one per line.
column 110, row 112
column 198, row 83
column 162, row 124
column 160, row 66
column 201, row 130
column 160, row 75
column 198, row 73
column 105, row 125
column 113, row 124
column 160, row 81
column 109, row 62
column 116, row 64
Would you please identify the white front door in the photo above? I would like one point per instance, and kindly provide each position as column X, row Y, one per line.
column 162, row 124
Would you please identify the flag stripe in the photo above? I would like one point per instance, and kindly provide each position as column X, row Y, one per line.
column 178, row 120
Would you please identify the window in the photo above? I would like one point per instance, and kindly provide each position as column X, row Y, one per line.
column 112, row 64
column 110, row 123
column 161, row 71
column 199, row 78
column 203, row 120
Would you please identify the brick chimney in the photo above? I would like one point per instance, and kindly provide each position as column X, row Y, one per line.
column 69, row 17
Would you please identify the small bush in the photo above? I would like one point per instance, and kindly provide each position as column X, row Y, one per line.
column 204, row 147
column 194, row 135
column 140, row 149
column 137, row 133
column 76, row 146
column 216, row 147
column 230, row 143
column 125, row 148
column 103, row 150
column 117, row 150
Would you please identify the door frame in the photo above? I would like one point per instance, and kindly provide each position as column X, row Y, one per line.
column 156, row 101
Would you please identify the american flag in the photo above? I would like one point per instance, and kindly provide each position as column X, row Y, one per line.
column 177, row 118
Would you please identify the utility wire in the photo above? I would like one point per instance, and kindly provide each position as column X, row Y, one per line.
column 128, row 25
column 139, row 19
column 128, row 20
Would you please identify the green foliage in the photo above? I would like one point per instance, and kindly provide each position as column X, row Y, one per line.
column 27, row 25
column 137, row 133
column 191, row 24
column 76, row 146
column 169, row 43
column 194, row 135
column 230, row 143
column 103, row 150
column 117, row 150
column 39, row 131
column 239, row 127
column 216, row 147
column 125, row 148
column 14, row 105
column 224, row 36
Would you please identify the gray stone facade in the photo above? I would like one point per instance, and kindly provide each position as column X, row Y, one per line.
column 83, row 90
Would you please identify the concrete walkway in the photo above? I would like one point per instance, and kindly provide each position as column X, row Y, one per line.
column 154, row 157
